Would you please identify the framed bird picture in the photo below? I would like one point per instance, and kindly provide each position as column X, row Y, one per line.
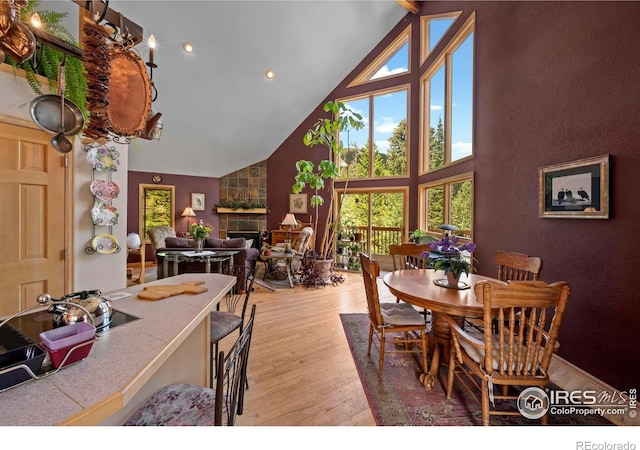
column 575, row 190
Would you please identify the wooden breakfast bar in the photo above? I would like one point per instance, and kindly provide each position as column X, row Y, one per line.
column 169, row 343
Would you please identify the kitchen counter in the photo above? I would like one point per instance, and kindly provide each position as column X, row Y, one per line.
column 168, row 344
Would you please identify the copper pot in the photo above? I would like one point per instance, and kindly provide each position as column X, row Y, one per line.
column 17, row 40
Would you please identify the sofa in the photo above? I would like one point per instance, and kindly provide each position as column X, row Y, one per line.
column 245, row 257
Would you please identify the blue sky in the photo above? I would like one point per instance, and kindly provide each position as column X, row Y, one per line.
column 391, row 108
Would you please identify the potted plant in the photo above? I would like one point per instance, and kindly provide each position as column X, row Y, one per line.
column 445, row 256
column 319, row 178
column 420, row 237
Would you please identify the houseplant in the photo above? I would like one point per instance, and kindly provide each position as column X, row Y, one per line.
column 319, row 178
column 47, row 59
column 445, row 256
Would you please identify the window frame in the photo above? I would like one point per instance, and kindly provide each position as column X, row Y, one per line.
column 424, row 31
column 371, row 116
column 445, row 183
column 365, row 76
column 436, row 61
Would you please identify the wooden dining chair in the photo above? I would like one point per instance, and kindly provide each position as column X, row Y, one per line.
column 185, row 404
column 517, row 355
column 387, row 319
column 517, row 266
column 408, row 256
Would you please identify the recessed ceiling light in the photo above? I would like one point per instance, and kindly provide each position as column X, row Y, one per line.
column 270, row 74
column 187, row 47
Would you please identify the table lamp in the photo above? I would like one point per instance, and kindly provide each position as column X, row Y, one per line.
column 188, row 212
column 290, row 221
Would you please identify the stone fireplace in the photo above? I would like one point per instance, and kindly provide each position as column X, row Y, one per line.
column 248, row 185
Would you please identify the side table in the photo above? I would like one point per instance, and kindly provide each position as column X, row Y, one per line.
column 272, row 267
column 142, row 253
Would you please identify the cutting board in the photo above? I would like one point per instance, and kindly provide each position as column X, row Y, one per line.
column 160, row 291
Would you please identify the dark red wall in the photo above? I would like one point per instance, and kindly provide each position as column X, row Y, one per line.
column 554, row 82
column 184, row 186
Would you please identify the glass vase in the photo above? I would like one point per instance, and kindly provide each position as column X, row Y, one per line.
column 199, row 244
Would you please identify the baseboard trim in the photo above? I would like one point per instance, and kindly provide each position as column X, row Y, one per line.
column 570, row 377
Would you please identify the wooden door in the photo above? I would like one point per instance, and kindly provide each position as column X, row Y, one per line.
column 33, row 220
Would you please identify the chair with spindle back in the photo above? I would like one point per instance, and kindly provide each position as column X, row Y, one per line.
column 409, row 256
column 519, row 353
column 389, row 318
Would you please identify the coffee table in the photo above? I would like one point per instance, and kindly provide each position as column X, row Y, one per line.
column 190, row 256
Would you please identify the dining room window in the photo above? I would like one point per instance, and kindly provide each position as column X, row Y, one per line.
column 447, row 101
column 378, row 150
column 448, row 201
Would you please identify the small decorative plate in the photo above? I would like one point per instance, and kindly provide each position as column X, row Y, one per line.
column 104, row 190
column 443, row 282
column 105, row 244
column 103, row 159
column 103, row 214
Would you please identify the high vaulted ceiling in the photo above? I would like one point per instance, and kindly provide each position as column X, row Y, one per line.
column 219, row 111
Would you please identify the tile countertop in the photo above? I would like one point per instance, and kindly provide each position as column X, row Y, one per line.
column 120, row 362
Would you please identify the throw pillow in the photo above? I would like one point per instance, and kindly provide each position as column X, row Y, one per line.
column 249, row 243
column 234, row 243
column 176, row 242
column 212, row 242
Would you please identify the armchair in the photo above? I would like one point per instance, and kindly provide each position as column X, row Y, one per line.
column 158, row 234
column 298, row 247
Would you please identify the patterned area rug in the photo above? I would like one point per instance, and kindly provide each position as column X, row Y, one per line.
column 398, row 398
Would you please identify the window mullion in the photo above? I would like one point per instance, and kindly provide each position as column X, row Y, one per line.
column 371, row 131
column 448, row 105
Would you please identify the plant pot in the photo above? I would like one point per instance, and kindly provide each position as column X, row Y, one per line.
column 357, row 237
column 322, row 269
column 452, row 280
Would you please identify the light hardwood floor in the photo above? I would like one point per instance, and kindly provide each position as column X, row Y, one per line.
column 300, row 367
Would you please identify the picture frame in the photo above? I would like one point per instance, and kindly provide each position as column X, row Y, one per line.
column 298, row 203
column 575, row 190
column 197, row 201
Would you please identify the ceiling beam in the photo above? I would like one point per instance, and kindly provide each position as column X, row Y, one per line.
column 412, row 6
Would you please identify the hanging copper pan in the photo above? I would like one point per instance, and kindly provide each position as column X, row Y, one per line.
column 129, row 96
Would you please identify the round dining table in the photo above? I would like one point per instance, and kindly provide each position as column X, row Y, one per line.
column 426, row 288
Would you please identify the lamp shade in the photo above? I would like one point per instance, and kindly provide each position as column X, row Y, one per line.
column 188, row 212
column 289, row 220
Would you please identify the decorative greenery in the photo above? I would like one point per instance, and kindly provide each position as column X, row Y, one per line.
column 417, row 233
column 48, row 59
column 325, row 132
column 242, row 205
column 200, row 230
column 308, row 275
column 444, row 255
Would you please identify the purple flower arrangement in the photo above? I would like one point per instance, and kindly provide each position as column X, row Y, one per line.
column 445, row 255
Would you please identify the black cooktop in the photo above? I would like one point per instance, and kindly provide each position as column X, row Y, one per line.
column 25, row 330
